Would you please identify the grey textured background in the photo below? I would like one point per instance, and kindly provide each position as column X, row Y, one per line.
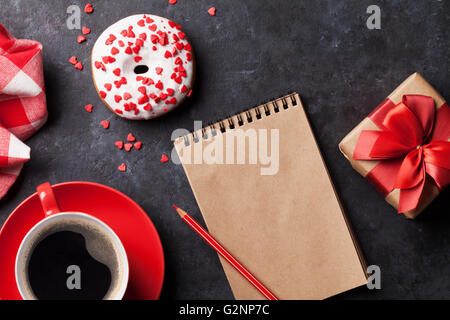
column 249, row 52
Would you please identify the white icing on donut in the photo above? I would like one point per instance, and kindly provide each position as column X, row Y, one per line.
column 166, row 52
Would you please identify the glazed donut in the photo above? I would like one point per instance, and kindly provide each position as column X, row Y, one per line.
column 143, row 66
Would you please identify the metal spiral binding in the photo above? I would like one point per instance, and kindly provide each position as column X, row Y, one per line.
column 240, row 120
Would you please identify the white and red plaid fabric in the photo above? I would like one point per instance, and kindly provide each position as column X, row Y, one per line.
column 22, row 103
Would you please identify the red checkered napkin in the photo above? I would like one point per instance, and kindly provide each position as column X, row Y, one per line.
column 22, row 102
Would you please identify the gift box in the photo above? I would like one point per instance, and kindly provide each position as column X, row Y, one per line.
column 403, row 146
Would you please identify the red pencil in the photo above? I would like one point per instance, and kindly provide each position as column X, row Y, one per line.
column 225, row 254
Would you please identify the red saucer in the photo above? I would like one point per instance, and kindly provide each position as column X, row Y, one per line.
column 123, row 215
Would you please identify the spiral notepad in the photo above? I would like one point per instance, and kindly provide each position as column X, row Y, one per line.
column 268, row 198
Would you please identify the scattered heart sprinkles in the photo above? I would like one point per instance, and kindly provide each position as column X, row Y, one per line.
column 73, row 60
column 105, row 124
column 88, row 108
column 78, row 66
column 119, row 144
column 85, row 30
column 88, row 8
column 212, row 11
column 164, row 158
column 138, row 145
column 171, row 42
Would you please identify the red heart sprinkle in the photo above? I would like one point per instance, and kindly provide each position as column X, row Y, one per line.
column 164, row 158
column 187, row 47
column 114, row 51
column 141, row 23
column 118, row 111
column 172, row 1
column 148, row 107
column 143, row 99
column 136, row 49
column 131, row 34
column 143, row 36
column 142, row 90
column 128, row 50
column 81, row 38
column 137, row 59
column 119, row 144
column 170, row 91
column 88, row 8
column 182, row 35
column 88, row 107
column 178, row 61
column 172, row 24
column 162, row 41
column 149, row 20
column 178, row 80
column 105, row 124
column 154, row 48
column 139, row 42
column 126, row 96
column 138, row 145
column 148, row 81
column 159, row 70
column 122, row 167
column 162, row 96
column 184, row 89
column 85, row 30
column 121, row 43
column 212, row 11
column 78, row 66
column 159, row 85
column 110, row 40
column 179, row 45
column 171, row 101
column 152, row 27
column 117, row 98
column 128, row 147
column 175, row 38
column 130, row 137
column 168, row 54
column 102, row 94
column 73, row 60
column 189, row 56
column 117, row 72
column 108, row 86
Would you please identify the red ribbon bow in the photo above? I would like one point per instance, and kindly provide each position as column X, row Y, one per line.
column 409, row 134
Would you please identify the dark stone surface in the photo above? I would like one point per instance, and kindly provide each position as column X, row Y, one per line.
column 249, row 52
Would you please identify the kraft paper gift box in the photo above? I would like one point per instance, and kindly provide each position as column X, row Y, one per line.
column 383, row 173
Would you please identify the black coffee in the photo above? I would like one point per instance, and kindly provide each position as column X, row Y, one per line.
column 48, row 269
